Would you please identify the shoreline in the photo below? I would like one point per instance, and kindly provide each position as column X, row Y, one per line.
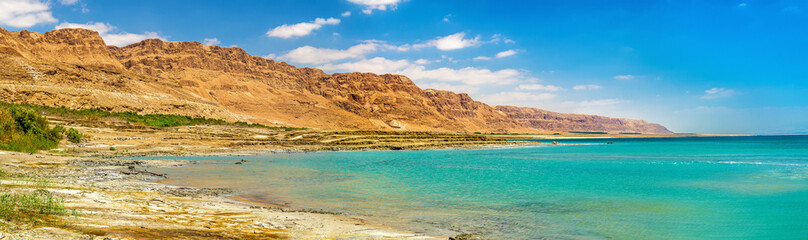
column 112, row 203
column 117, row 197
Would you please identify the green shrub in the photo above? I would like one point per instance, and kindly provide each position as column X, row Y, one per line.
column 112, row 148
column 74, row 135
column 24, row 130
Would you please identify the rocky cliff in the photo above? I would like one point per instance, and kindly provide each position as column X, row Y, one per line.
column 565, row 122
column 74, row 68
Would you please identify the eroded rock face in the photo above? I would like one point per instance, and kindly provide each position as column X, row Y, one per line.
column 74, row 68
column 562, row 122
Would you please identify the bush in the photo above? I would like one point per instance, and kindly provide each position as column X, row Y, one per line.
column 24, row 130
column 74, row 135
column 112, row 148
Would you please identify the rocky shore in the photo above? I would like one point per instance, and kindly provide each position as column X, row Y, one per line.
column 117, row 199
column 109, row 196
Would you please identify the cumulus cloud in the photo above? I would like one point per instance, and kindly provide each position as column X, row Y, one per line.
column 378, row 65
column 450, row 87
column 110, row 34
column 624, row 77
column 300, row 29
column 313, row 55
column 422, row 61
column 506, row 98
column 482, row 58
column 586, row 87
column 211, row 41
column 601, row 102
column 346, row 14
column 468, row 75
column 123, row 39
column 68, row 2
column 451, row 42
column 714, row 93
column 25, row 13
column 381, row 5
column 549, row 88
column 507, row 53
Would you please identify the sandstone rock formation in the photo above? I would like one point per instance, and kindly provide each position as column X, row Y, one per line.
column 565, row 122
column 74, row 68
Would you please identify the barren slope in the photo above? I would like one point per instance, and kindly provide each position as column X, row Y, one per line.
column 563, row 122
column 74, row 68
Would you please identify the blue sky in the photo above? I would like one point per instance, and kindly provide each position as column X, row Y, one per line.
column 693, row 66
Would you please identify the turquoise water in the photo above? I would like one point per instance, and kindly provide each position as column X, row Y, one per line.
column 672, row 188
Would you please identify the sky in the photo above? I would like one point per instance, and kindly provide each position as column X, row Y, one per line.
column 695, row 66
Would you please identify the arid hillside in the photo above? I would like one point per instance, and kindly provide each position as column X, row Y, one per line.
column 565, row 122
column 74, row 68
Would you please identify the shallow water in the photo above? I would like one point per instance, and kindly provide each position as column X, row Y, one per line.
column 671, row 188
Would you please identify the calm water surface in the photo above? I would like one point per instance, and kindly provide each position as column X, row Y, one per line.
column 671, row 188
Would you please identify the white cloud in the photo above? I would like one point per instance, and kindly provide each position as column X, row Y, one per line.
column 518, row 98
column 714, row 93
column 451, row 42
column 422, row 61
column 270, row 56
column 451, row 87
column 211, row 41
column 586, row 87
column 506, row 53
column 482, row 58
column 624, row 77
column 110, row 33
column 447, row 18
column 346, row 14
column 68, row 2
column 381, row 5
column 123, row 39
column 601, row 102
column 496, row 38
column 313, row 55
column 99, row 27
column 300, row 29
column 376, row 65
column 468, row 75
column 549, row 88
column 25, row 13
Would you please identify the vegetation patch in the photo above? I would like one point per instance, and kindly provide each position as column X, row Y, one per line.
column 24, row 130
column 31, row 207
column 152, row 120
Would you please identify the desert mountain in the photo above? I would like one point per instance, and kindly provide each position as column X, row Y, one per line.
column 74, row 68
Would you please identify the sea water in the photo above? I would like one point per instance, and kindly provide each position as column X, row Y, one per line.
column 644, row 188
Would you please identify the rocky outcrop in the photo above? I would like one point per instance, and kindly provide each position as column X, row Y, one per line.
column 73, row 68
column 564, row 122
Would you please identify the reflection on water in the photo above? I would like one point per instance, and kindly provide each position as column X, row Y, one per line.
column 745, row 187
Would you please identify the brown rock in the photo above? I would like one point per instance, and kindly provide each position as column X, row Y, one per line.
column 74, row 68
column 563, row 122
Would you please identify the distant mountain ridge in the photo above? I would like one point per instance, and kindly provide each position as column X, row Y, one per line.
column 74, row 68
